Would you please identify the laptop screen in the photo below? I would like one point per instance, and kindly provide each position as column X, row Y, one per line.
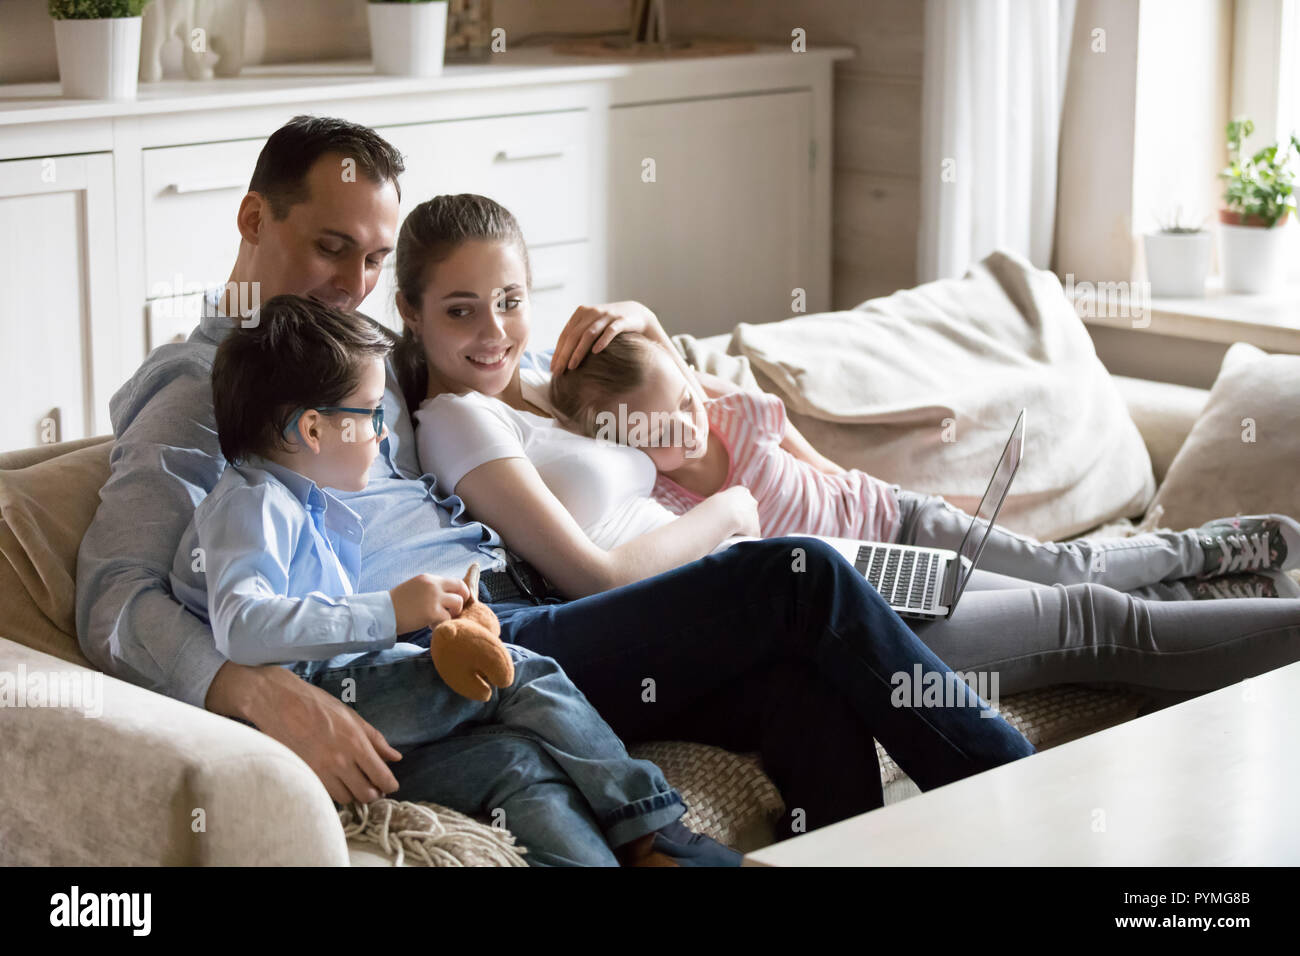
column 987, row 513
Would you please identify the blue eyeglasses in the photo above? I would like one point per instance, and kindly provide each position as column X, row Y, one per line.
column 376, row 416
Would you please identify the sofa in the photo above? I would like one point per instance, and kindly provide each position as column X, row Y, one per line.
column 153, row 781
column 121, row 775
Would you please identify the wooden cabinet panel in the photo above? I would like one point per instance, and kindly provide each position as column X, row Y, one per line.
column 711, row 208
column 58, row 362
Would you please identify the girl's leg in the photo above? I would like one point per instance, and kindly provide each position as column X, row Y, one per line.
column 1087, row 633
column 1119, row 563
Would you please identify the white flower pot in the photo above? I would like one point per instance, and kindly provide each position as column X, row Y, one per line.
column 1178, row 262
column 408, row 39
column 98, row 59
column 1252, row 258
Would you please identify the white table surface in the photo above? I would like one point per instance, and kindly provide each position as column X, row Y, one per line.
column 1211, row 781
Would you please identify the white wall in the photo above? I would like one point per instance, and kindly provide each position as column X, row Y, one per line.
column 1142, row 132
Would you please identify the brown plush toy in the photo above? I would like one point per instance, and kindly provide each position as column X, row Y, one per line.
column 467, row 650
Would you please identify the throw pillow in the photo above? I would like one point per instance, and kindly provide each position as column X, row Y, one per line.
column 45, row 510
column 1241, row 455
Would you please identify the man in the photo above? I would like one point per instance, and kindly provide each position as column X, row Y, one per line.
column 754, row 648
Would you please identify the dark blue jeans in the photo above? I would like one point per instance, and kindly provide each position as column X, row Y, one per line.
column 778, row 646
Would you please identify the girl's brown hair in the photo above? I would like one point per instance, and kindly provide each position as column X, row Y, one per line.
column 431, row 233
column 578, row 395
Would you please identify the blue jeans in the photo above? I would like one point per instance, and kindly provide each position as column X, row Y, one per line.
column 536, row 758
column 778, row 646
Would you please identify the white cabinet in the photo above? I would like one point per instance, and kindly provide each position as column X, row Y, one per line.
column 711, row 208
column 59, row 358
column 113, row 215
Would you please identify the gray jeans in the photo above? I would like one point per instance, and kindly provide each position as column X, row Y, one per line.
column 1097, row 611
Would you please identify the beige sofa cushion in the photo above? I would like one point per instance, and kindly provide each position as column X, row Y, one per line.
column 1242, row 454
column 45, row 509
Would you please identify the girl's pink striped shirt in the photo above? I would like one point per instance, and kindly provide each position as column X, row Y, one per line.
column 793, row 496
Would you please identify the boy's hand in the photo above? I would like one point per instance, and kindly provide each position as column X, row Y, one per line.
column 427, row 601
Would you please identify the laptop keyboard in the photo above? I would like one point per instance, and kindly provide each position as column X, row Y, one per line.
column 904, row 578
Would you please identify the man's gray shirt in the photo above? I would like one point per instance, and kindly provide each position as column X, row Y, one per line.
column 166, row 459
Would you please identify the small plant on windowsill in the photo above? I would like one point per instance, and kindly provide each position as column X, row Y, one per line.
column 1258, row 199
column 98, row 46
column 407, row 37
column 1178, row 257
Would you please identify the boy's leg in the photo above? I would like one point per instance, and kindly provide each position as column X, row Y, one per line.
column 410, row 705
column 1120, row 563
column 630, row 798
column 516, row 785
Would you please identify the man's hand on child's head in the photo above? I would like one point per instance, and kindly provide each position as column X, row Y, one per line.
column 427, row 601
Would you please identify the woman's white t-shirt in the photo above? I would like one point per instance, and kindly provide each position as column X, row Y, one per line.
column 605, row 486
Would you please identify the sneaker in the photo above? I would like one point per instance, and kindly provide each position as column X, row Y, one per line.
column 1235, row 586
column 674, row 845
column 687, row 848
column 1250, row 543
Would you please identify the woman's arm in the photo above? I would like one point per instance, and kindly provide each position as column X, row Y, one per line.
column 509, row 495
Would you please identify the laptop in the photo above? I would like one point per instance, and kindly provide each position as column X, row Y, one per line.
column 928, row 582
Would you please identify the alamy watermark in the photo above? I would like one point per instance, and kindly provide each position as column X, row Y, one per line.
column 1110, row 300
column 79, row 689
column 920, row 688
column 647, row 430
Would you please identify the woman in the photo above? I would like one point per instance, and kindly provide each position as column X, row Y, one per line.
column 463, row 296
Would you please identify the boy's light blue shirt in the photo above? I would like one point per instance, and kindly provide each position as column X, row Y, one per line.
column 271, row 561
column 165, row 460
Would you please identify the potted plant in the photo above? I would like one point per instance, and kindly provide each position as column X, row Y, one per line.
column 1178, row 258
column 98, row 46
column 1258, row 200
column 407, row 37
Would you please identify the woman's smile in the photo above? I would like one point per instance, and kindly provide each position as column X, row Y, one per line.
column 490, row 360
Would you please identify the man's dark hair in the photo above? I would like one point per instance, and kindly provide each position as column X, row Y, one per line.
column 281, row 172
column 298, row 354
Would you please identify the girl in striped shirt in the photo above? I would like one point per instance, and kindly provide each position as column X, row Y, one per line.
column 638, row 392
column 634, row 392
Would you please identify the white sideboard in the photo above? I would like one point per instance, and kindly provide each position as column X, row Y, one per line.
column 699, row 186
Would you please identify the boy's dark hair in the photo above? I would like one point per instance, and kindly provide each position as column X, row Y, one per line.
column 431, row 233
column 579, row 394
column 299, row 354
column 280, row 175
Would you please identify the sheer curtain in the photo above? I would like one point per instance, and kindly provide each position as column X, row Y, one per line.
column 992, row 88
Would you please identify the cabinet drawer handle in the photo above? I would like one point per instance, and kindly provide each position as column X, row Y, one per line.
column 511, row 156
column 551, row 284
column 181, row 189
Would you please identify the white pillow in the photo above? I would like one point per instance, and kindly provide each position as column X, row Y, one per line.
column 1243, row 453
